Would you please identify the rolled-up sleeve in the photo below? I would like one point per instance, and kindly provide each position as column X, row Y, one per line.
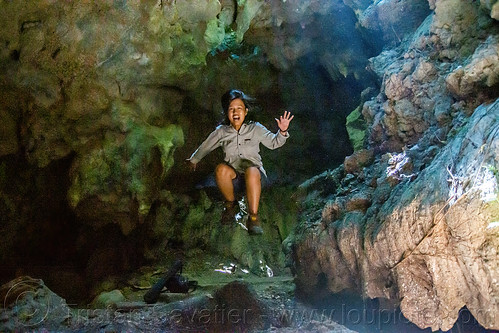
column 211, row 143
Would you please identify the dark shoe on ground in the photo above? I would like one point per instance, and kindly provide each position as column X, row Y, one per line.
column 229, row 212
column 253, row 225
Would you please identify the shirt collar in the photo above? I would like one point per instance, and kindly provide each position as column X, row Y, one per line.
column 232, row 129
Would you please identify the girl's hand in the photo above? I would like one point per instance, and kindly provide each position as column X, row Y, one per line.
column 284, row 120
column 191, row 166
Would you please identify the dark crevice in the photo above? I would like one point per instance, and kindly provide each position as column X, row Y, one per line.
column 15, row 55
column 55, row 53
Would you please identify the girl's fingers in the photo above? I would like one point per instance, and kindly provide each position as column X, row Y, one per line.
column 287, row 115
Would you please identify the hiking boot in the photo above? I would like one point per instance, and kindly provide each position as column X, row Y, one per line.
column 229, row 212
column 253, row 225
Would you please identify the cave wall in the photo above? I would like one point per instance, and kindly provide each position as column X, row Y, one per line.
column 411, row 217
column 122, row 86
column 109, row 98
column 100, row 101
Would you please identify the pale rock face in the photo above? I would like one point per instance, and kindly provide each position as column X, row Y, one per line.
column 493, row 6
column 430, row 241
column 428, row 238
column 482, row 71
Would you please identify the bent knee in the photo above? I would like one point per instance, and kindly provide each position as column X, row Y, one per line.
column 223, row 170
column 253, row 172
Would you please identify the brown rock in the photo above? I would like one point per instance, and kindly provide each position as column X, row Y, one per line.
column 425, row 72
column 480, row 73
column 332, row 210
column 396, row 87
column 240, row 305
column 358, row 160
column 359, row 201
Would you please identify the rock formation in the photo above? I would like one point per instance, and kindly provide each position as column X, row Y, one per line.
column 101, row 101
column 417, row 224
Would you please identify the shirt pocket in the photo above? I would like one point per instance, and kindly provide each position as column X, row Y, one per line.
column 250, row 145
column 248, row 142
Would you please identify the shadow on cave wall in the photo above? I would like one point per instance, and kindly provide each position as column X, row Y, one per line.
column 43, row 237
column 39, row 229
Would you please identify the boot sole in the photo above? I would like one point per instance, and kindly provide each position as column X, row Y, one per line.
column 255, row 231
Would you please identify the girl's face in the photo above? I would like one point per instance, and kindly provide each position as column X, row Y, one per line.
column 236, row 113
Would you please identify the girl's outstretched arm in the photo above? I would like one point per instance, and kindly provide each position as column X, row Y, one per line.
column 211, row 143
column 273, row 141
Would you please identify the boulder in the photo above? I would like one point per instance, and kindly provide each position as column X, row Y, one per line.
column 29, row 304
column 358, row 160
column 481, row 73
column 108, row 299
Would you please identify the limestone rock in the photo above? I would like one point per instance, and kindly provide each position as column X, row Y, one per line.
column 417, row 92
column 29, row 303
column 355, row 162
column 452, row 23
column 493, row 6
column 107, row 89
column 429, row 244
column 240, row 298
column 424, row 72
column 108, row 299
column 142, row 158
column 385, row 16
column 359, row 201
column 482, row 72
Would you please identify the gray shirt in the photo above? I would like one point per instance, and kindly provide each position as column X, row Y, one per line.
column 241, row 147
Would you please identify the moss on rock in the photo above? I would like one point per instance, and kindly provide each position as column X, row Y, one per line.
column 356, row 128
column 130, row 165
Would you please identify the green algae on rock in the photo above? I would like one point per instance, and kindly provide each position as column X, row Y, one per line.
column 356, row 128
column 126, row 168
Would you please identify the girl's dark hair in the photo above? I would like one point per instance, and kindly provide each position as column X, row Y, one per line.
column 231, row 95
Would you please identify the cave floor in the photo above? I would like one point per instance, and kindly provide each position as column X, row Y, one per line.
column 277, row 307
column 252, row 303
